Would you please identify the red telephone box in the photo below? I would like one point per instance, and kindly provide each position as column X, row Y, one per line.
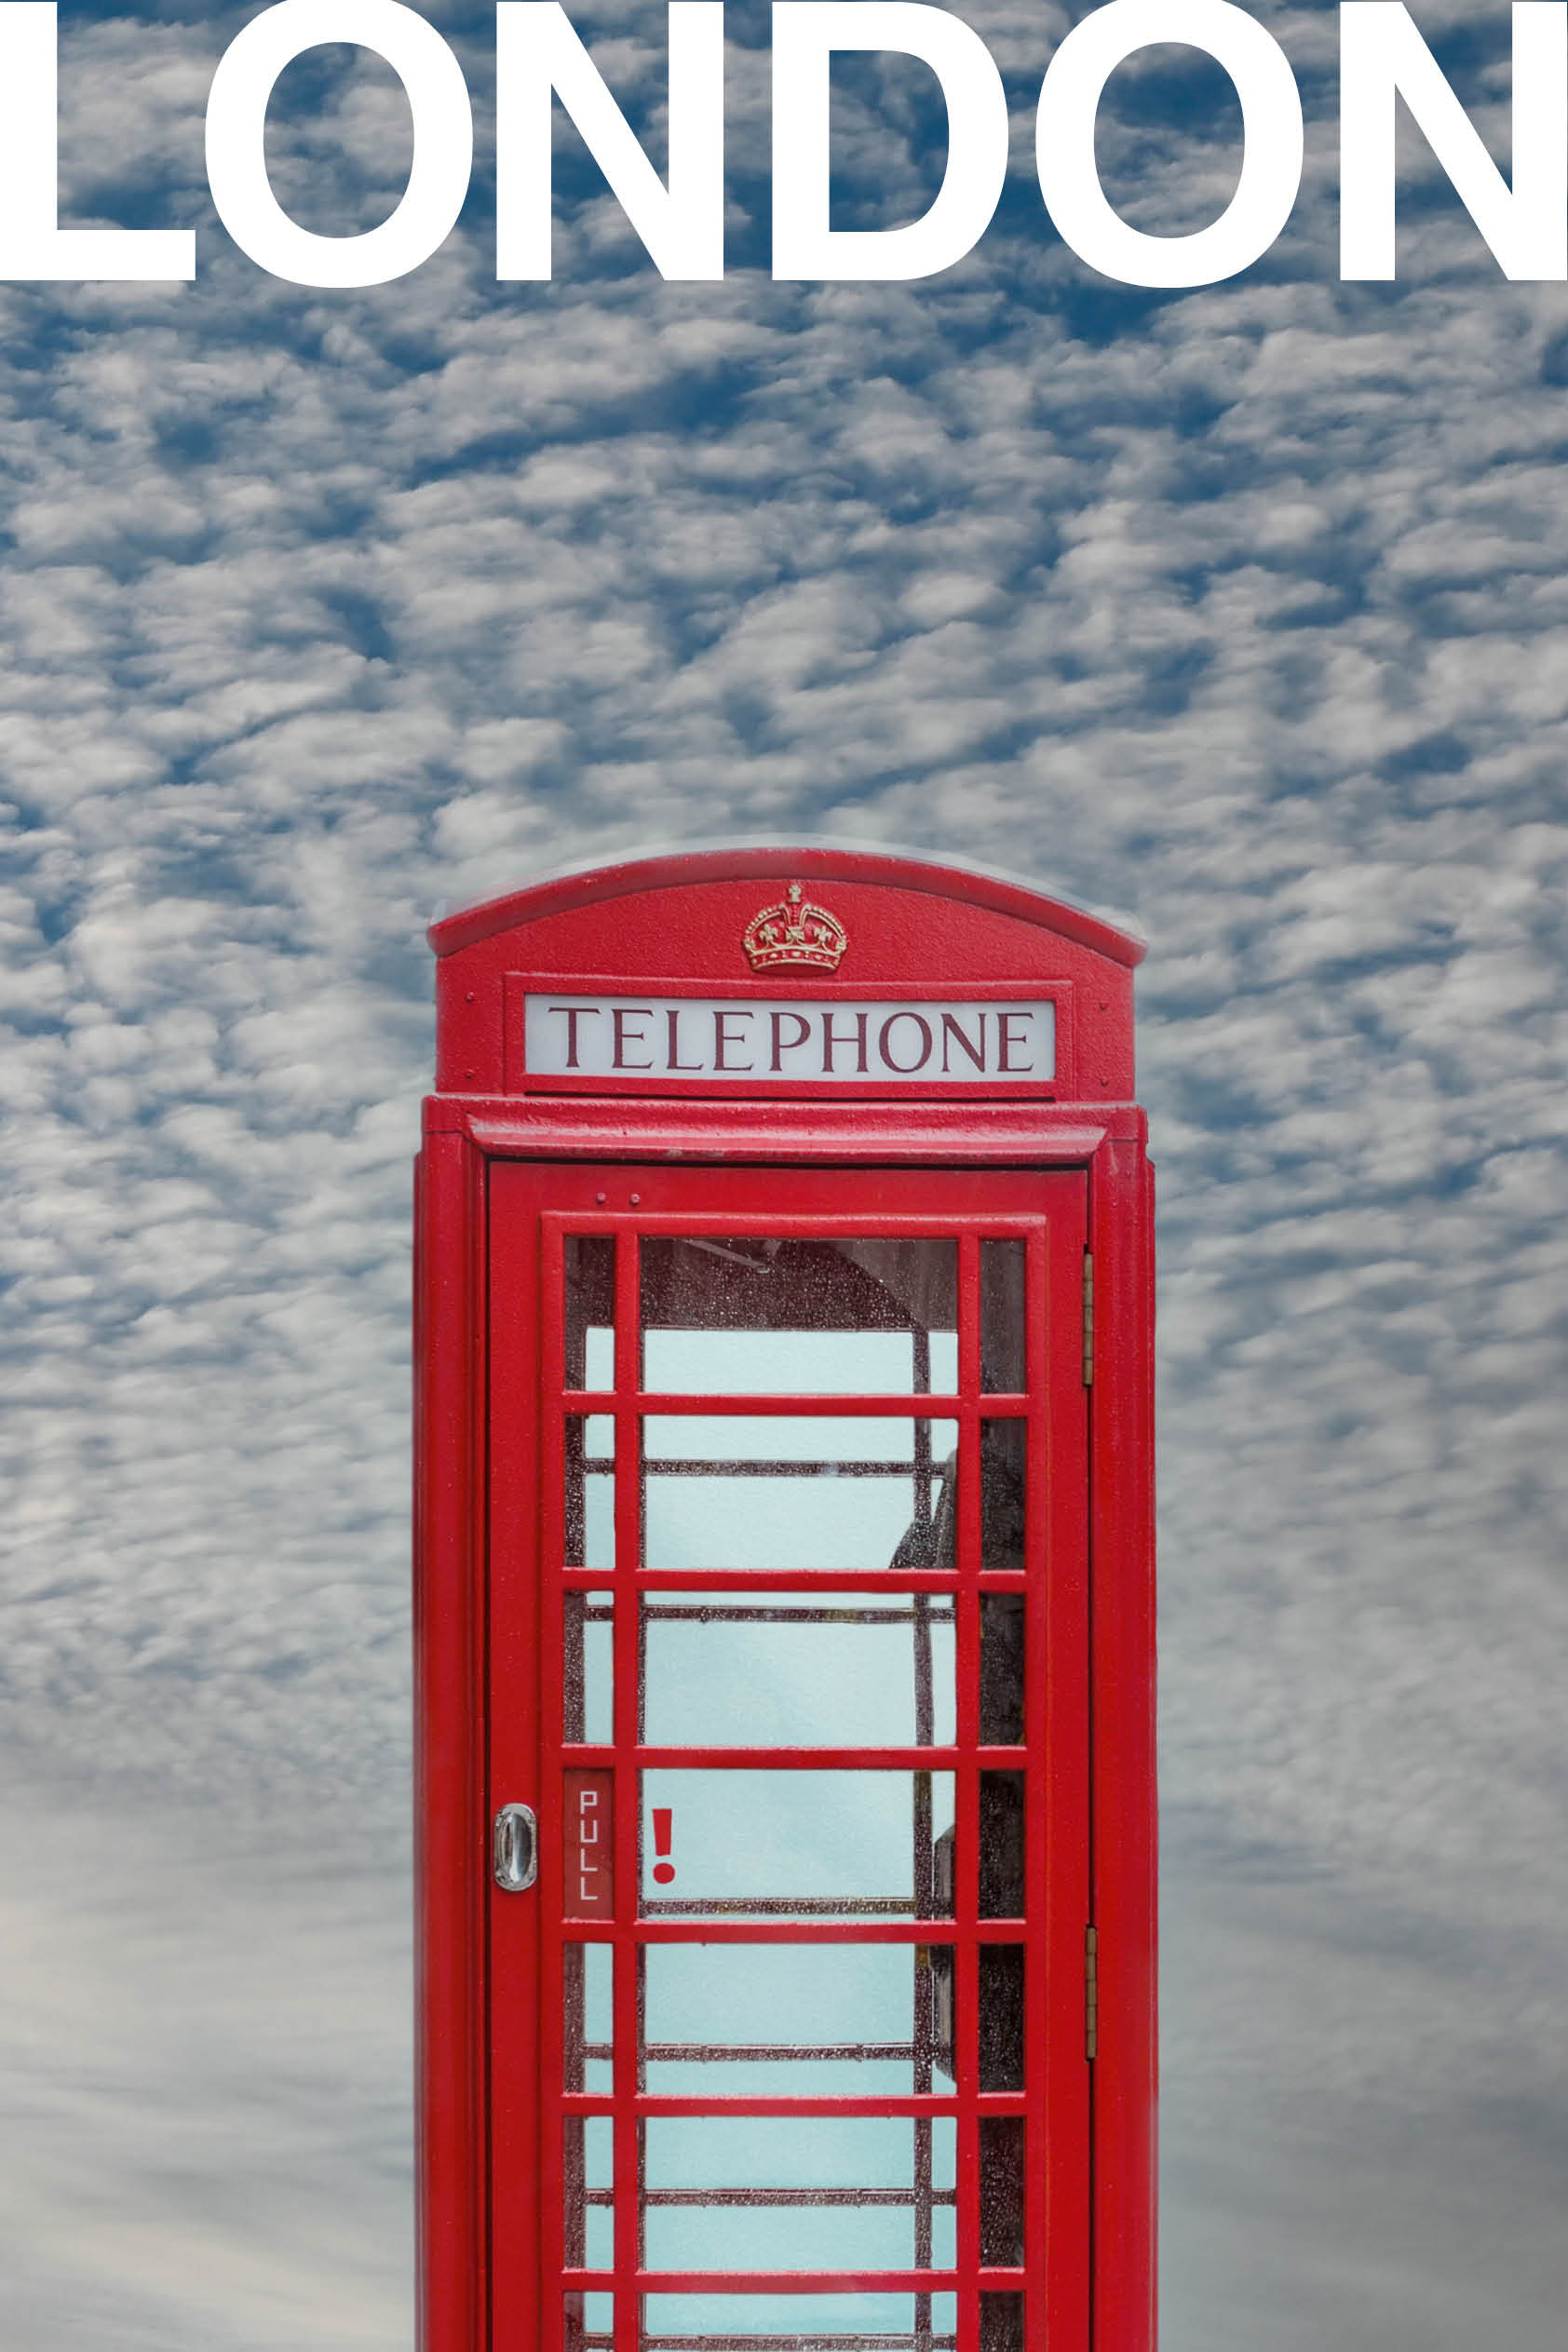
column 784, row 1619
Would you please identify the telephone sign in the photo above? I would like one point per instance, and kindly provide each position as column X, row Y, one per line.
column 845, row 1044
column 784, row 1619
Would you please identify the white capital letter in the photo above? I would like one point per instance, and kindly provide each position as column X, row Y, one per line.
column 1381, row 52
column 33, row 244
column 444, row 142
column 1271, row 126
column 806, row 34
column 537, row 51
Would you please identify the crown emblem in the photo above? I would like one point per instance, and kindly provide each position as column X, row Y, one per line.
column 794, row 932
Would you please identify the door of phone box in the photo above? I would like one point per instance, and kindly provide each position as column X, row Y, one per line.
column 784, row 1620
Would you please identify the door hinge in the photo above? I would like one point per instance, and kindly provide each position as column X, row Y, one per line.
column 1089, row 1318
column 1091, row 1992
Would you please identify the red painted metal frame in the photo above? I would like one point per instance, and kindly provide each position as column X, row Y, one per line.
column 1054, row 2098
column 449, row 1821
column 913, row 929
column 965, row 886
column 473, row 1346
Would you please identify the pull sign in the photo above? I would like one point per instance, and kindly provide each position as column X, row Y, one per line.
column 588, row 1860
column 515, row 1849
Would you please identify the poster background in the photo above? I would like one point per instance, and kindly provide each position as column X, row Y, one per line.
column 1241, row 611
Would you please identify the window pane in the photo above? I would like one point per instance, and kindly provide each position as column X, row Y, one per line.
column 588, row 2016
column 1001, row 2017
column 590, row 2322
column 1001, row 2323
column 800, row 1363
column 588, row 1667
column 875, row 1316
column 589, row 1501
column 799, row 1669
column 749, row 1491
column 779, row 2193
column 804, row 1446
column 796, row 2323
column 834, row 1843
column 1004, row 1451
column 590, row 1310
column 1001, row 1845
column 1000, row 2195
column 1002, row 1316
column 1001, row 1692
column 588, row 2156
column 785, row 2020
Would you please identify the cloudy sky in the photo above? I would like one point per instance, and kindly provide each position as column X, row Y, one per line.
column 1242, row 612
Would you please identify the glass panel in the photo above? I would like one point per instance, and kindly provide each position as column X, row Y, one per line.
column 1000, row 1691
column 1002, row 1316
column 799, row 1446
column 1001, row 2017
column 749, row 1491
column 799, row 1669
column 589, row 1529
column 940, row 1960
column 591, row 2321
column 801, row 1363
column 797, row 2323
column 1003, row 1450
column 782, row 2192
column 829, row 1844
column 1001, row 2323
column 875, row 1316
column 1001, row 2195
column 1001, row 1846
column 588, row 2021
column 590, row 1310
column 589, row 2218
column 588, row 1667
column 769, row 2020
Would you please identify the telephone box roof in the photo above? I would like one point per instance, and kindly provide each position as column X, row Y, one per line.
column 561, row 893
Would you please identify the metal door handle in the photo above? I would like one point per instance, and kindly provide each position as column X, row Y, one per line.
column 515, row 1848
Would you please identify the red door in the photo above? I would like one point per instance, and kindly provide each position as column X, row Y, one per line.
column 788, row 1663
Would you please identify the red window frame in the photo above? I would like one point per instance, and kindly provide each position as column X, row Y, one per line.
column 530, row 1207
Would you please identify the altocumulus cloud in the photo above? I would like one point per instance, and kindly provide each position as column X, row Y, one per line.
column 1243, row 611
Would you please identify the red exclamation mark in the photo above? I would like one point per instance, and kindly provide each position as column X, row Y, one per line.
column 663, row 1872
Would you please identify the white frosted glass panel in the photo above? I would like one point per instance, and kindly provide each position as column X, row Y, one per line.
column 719, row 1493
column 721, row 2019
column 794, row 1364
column 688, row 2323
column 790, row 1670
column 862, row 2169
column 832, row 1840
